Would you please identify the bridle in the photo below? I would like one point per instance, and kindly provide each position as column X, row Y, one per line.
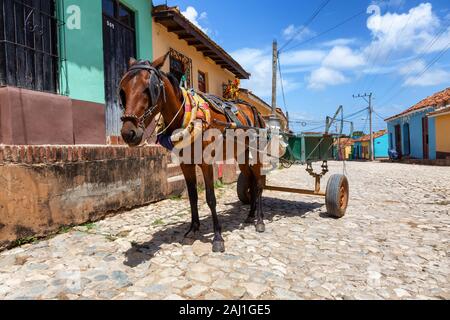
column 155, row 88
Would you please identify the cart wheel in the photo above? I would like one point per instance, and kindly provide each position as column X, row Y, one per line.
column 243, row 189
column 336, row 196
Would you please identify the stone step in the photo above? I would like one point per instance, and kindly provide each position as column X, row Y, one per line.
column 176, row 185
column 173, row 170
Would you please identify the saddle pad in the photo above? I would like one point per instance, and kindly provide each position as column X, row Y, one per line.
column 191, row 99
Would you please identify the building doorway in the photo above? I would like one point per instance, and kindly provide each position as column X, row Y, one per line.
column 406, row 141
column 425, row 138
column 398, row 139
column 119, row 45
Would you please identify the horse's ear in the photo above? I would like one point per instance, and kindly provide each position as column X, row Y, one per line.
column 132, row 62
column 158, row 63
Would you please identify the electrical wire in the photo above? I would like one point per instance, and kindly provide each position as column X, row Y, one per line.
column 420, row 75
column 327, row 31
column 306, row 24
column 417, row 57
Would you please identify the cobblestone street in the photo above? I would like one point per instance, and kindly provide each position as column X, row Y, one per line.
column 393, row 243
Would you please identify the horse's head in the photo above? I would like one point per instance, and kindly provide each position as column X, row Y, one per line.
column 141, row 95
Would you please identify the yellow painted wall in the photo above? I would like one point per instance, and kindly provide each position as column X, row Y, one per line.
column 262, row 108
column 216, row 75
column 365, row 149
column 443, row 133
column 347, row 152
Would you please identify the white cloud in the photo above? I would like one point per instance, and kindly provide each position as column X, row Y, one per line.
column 400, row 36
column 432, row 77
column 303, row 57
column 341, row 57
column 413, row 30
column 300, row 32
column 324, row 77
column 259, row 63
column 339, row 42
column 192, row 15
column 389, row 3
column 413, row 67
column 413, row 71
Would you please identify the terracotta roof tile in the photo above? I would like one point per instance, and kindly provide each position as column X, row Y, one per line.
column 442, row 98
column 440, row 111
column 375, row 135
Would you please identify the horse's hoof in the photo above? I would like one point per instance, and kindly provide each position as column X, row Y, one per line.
column 218, row 246
column 249, row 220
column 260, row 227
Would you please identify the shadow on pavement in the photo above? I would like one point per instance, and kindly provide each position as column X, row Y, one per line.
column 231, row 219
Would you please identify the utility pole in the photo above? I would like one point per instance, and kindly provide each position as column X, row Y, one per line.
column 274, row 77
column 274, row 120
column 287, row 117
column 365, row 96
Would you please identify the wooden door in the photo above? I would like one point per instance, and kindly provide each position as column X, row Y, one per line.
column 119, row 45
column 398, row 139
column 425, row 138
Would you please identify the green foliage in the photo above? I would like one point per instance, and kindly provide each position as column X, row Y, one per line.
column 89, row 225
column 176, row 197
column 218, row 184
column 158, row 222
column 64, row 229
column 25, row 240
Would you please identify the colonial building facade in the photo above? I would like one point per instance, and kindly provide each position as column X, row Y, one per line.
column 60, row 62
column 412, row 133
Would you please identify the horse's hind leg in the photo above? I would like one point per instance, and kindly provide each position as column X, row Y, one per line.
column 218, row 244
column 191, row 183
column 260, row 182
column 247, row 172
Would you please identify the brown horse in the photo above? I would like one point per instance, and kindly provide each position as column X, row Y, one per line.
column 146, row 91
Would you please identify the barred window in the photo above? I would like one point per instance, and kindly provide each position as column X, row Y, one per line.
column 28, row 44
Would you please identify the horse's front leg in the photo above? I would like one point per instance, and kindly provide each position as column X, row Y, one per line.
column 191, row 183
column 218, row 244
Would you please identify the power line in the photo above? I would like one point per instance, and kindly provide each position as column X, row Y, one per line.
column 419, row 76
column 327, row 31
column 418, row 57
column 347, row 117
column 307, row 23
column 391, row 50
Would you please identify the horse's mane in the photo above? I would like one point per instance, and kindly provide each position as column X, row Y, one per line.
column 175, row 83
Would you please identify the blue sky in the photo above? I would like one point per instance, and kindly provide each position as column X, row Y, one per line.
column 384, row 50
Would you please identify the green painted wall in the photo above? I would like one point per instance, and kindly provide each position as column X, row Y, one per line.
column 81, row 43
column 143, row 12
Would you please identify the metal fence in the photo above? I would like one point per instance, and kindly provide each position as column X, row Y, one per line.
column 29, row 44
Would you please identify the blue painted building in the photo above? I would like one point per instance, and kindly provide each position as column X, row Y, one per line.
column 381, row 146
column 361, row 147
column 412, row 133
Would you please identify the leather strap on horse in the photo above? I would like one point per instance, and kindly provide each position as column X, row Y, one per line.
column 223, row 107
column 155, row 88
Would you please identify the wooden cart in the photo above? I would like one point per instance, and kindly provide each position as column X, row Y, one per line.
column 306, row 149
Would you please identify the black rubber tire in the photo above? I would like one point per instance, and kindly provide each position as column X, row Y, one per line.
column 337, row 195
column 243, row 189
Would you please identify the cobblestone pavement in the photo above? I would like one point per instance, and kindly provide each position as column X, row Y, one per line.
column 392, row 244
